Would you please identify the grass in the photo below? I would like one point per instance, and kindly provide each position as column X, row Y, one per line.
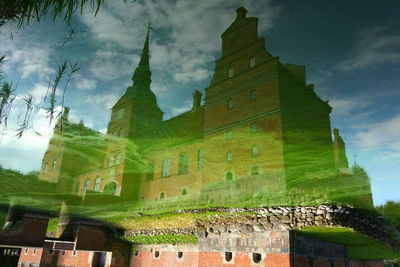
column 163, row 239
column 358, row 246
column 171, row 220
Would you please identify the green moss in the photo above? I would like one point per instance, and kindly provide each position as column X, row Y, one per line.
column 52, row 225
column 358, row 246
column 163, row 239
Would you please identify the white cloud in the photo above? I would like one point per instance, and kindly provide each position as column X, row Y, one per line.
column 383, row 134
column 29, row 60
column 348, row 106
column 178, row 110
column 85, row 84
column 193, row 33
column 375, row 46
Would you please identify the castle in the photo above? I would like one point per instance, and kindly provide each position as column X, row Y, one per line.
column 262, row 131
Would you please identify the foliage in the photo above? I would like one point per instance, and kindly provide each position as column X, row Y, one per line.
column 163, row 239
column 391, row 212
column 358, row 246
column 24, row 10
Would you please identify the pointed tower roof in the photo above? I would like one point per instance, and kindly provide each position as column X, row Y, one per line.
column 142, row 72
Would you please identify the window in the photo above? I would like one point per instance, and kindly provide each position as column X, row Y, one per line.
column 230, row 104
column 229, row 157
column 121, row 133
column 253, row 127
column 26, row 250
column 110, row 188
column 252, row 62
column 180, row 254
column 253, row 95
column 150, row 171
column 183, row 163
column 200, row 158
column 54, row 164
column 156, row 254
column 74, row 252
column 184, row 192
column 254, row 151
column 255, row 170
column 231, row 72
column 256, row 257
column 229, row 176
column 110, row 161
column 228, row 256
column 34, row 251
column 165, row 168
column 162, row 195
column 117, row 159
column 97, row 182
column 120, row 113
column 229, row 134
column 87, row 184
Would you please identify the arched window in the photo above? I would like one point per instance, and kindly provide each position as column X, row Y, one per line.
column 110, row 161
column 230, row 103
column 110, row 188
column 229, row 134
column 183, row 163
column 165, row 168
column 162, row 195
column 257, row 257
column 231, row 72
column 184, row 192
column 200, row 158
column 253, row 95
column 229, row 176
column 97, row 182
column 253, row 127
column 228, row 256
column 87, row 184
column 53, row 167
column 254, row 151
column 252, row 62
column 150, row 171
column 229, row 157
column 117, row 159
column 255, row 170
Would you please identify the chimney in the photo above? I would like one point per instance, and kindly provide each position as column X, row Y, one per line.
column 196, row 100
column 241, row 13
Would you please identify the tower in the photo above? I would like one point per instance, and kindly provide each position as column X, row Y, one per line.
column 136, row 114
column 136, row 120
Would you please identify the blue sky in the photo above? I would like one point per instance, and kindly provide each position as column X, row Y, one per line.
column 351, row 50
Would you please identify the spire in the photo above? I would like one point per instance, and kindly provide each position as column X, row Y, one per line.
column 142, row 75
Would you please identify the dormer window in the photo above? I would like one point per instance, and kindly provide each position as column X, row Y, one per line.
column 231, row 72
column 252, row 62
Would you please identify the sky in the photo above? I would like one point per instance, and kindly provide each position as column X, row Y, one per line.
column 351, row 50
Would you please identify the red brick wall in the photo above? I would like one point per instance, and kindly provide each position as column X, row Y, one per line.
column 205, row 259
column 30, row 256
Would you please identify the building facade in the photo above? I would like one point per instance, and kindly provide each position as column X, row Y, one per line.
column 262, row 132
